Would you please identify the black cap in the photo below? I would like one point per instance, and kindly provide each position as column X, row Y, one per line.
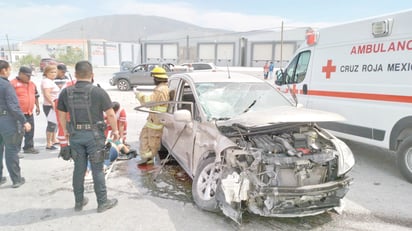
column 62, row 67
column 26, row 70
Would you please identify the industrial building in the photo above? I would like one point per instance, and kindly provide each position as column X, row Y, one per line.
column 101, row 42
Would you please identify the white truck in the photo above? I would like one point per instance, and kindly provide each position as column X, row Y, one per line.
column 363, row 71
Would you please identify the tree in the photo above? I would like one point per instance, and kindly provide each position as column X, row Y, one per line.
column 28, row 60
column 71, row 56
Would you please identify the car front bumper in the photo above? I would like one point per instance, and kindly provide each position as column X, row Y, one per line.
column 298, row 201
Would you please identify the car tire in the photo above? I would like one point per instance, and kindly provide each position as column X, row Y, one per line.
column 404, row 158
column 123, row 85
column 204, row 185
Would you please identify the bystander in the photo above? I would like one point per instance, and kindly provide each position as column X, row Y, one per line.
column 61, row 77
column 27, row 95
column 50, row 92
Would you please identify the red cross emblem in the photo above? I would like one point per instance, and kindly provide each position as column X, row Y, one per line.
column 328, row 69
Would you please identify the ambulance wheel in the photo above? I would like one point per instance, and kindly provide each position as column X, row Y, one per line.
column 123, row 85
column 404, row 154
column 204, row 185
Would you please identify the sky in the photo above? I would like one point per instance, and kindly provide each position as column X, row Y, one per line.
column 22, row 20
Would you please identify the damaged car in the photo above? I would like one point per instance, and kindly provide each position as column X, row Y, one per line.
column 249, row 149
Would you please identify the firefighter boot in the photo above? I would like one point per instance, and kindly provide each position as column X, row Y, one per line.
column 144, row 158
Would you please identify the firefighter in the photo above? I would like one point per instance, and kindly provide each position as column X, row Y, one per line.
column 152, row 131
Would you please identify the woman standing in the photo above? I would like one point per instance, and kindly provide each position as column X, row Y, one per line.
column 50, row 93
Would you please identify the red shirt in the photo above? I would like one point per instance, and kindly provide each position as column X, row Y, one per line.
column 121, row 117
column 26, row 94
column 266, row 68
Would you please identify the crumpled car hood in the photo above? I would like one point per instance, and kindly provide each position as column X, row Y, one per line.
column 285, row 114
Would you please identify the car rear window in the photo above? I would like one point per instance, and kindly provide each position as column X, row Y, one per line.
column 201, row 66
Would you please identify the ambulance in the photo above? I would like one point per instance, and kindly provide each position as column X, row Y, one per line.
column 363, row 71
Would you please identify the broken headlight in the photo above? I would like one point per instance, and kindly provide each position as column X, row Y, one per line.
column 346, row 159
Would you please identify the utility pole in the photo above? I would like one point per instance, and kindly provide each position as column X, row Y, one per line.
column 8, row 45
column 84, row 47
column 281, row 45
column 187, row 48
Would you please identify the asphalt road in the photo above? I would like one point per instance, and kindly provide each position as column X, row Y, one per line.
column 378, row 198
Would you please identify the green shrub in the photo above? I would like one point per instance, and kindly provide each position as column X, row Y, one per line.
column 28, row 60
column 71, row 56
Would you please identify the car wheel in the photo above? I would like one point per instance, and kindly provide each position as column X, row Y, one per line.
column 404, row 154
column 123, row 85
column 205, row 184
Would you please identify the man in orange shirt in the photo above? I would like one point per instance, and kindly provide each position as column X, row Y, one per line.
column 27, row 95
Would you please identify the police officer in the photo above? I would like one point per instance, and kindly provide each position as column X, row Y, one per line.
column 12, row 121
column 152, row 131
column 85, row 131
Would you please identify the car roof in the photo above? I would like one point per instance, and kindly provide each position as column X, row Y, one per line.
column 160, row 63
column 196, row 63
column 207, row 77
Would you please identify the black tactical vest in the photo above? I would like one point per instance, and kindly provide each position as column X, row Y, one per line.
column 79, row 100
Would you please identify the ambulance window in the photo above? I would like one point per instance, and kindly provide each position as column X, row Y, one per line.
column 296, row 71
column 302, row 66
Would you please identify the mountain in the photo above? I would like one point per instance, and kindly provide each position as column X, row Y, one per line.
column 123, row 28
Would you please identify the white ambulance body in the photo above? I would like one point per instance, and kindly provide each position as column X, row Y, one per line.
column 363, row 71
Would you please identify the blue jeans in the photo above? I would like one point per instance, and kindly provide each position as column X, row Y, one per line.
column 86, row 146
column 10, row 149
column 28, row 136
column 112, row 157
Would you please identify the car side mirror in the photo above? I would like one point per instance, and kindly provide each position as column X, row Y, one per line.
column 279, row 77
column 183, row 116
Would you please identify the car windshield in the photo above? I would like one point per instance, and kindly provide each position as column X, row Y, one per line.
column 223, row 100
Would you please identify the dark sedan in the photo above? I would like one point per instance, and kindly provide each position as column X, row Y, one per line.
column 138, row 75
